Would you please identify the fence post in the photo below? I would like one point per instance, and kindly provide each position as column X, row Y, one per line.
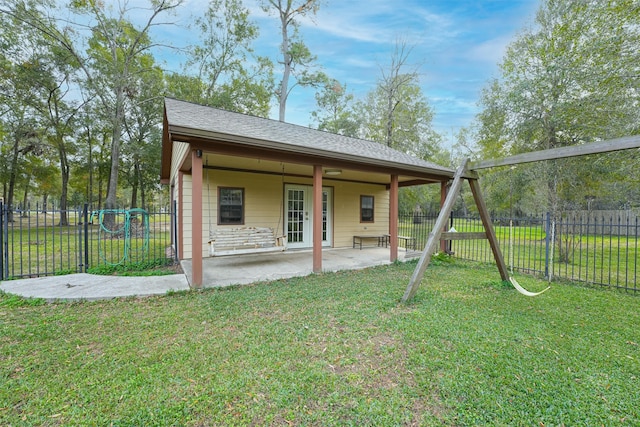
column 85, row 221
column 547, row 241
column 6, row 215
column 79, row 257
column 449, row 243
column 1, row 240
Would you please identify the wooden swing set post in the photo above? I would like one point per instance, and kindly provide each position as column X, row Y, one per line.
column 434, row 236
column 441, row 222
column 488, row 228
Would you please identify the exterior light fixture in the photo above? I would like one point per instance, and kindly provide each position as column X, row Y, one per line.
column 333, row 172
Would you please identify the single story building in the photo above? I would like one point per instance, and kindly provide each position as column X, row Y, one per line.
column 312, row 189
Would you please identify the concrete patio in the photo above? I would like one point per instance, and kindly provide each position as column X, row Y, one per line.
column 245, row 269
column 217, row 272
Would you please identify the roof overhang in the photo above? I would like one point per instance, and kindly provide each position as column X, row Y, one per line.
column 226, row 143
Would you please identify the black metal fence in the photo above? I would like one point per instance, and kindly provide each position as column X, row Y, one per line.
column 594, row 248
column 599, row 249
column 42, row 242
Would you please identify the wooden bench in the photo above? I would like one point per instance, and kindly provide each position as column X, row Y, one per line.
column 409, row 242
column 381, row 239
column 244, row 240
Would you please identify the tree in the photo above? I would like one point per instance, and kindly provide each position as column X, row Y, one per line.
column 224, row 78
column 117, row 53
column 113, row 56
column 336, row 110
column 22, row 133
column 57, row 114
column 571, row 79
column 297, row 60
column 19, row 141
column 143, row 150
column 396, row 113
column 45, row 72
column 60, row 119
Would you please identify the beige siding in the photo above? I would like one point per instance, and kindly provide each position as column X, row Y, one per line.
column 263, row 202
column 262, row 197
column 346, row 220
column 178, row 153
column 264, row 205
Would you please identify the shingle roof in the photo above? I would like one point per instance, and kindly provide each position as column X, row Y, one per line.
column 185, row 117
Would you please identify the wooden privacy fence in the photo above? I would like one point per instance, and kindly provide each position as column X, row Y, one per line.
column 595, row 247
column 606, row 222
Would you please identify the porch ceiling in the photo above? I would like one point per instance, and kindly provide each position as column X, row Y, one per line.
column 214, row 161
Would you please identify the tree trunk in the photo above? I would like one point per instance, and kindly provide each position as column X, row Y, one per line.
column 90, row 155
column 389, row 130
column 24, row 201
column 143, row 201
column 64, row 175
column 134, row 194
column 12, row 179
column 140, row 181
column 110, row 201
column 64, row 215
column 99, row 191
column 284, row 84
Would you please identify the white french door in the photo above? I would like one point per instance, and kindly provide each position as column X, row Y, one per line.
column 299, row 215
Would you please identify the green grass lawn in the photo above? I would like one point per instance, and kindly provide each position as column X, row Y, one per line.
column 331, row 349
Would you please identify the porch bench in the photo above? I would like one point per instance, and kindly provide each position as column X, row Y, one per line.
column 409, row 242
column 381, row 239
column 244, row 240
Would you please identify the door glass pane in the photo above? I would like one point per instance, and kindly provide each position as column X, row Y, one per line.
column 295, row 216
column 325, row 202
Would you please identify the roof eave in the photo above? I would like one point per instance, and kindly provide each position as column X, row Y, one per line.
column 178, row 131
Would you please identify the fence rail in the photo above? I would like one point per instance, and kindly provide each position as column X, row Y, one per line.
column 577, row 246
column 42, row 242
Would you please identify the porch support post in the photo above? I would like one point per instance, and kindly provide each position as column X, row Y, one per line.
column 196, row 218
column 393, row 218
column 443, row 197
column 317, row 218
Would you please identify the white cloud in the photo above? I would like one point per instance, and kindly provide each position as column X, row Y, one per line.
column 491, row 51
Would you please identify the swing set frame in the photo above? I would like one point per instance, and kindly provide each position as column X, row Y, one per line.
column 468, row 171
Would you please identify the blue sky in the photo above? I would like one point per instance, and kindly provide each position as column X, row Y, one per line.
column 457, row 45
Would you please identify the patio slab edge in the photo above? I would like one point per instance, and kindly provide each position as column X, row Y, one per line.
column 89, row 287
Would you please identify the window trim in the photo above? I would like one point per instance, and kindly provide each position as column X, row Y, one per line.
column 242, row 212
column 373, row 209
